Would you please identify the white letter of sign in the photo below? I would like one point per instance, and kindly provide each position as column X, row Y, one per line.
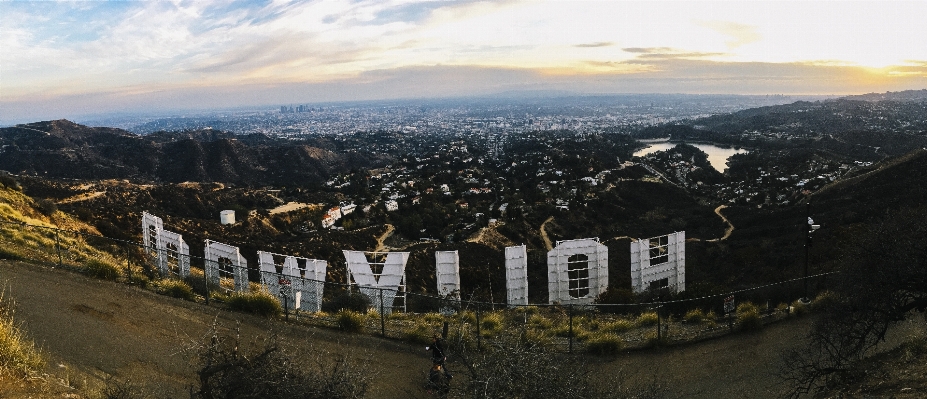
column 375, row 286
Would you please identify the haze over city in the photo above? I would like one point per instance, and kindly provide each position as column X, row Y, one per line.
column 71, row 59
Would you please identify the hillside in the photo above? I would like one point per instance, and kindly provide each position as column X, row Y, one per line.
column 848, row 127
column 64, row 149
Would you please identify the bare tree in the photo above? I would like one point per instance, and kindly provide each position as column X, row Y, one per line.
column 510, row 368
column 882, row 280
column 226, row 369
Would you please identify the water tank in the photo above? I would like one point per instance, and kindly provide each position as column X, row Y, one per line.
column 227, row 217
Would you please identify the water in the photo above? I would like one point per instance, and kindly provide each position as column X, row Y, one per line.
column 717, row 156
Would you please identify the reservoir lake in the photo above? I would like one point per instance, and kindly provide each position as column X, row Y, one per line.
column 717, row 156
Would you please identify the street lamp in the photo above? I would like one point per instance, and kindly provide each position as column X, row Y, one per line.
column 809, row 228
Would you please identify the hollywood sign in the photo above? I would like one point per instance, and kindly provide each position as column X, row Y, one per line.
column 577, row 270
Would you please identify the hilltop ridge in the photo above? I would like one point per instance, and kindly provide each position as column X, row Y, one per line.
column 62, row 148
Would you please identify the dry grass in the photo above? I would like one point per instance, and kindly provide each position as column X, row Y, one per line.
column 18, row 354
column 260, row 303
column 174, row 288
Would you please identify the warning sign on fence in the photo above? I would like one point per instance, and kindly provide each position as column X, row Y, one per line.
column 729, row 304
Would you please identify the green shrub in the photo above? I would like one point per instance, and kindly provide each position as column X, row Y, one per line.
column 350, row 321
column 540, row 321
column 261, row 303
column 617, row 326
column 491, row 323
column 196, row 282
column 695, row 316
column 101, row 270
column 47, row 206
column 350, row 300
column 418, row 333
column 467, row 316
column 9, row 182
column 748, row 316
column 604, row 344
column 647, row 319
column 174, row 288
column 563, row 331
column 433, row 317
column 536, row 338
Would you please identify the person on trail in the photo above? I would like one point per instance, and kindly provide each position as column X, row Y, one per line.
column 438, row 356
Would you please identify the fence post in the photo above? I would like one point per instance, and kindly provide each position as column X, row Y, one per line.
column 571, row 327
column 128, row 265
column 382, row 317
column 206, row 279
column 479, row 335
column 659, row 333
column 286, row 308
column 58, row 247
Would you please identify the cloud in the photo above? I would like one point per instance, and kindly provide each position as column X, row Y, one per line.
column 648, row 50
column 740, row 34
column 661, row 53
column 596, row 44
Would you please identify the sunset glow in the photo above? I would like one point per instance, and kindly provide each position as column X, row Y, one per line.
column 155, row 54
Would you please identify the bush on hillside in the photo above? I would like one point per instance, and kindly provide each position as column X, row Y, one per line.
column 101, row 270
column 604, row 344
column 9, row 182
column 350, row 300
column 227, row 369
column 748, row 316
column 350, row 321
column 261, row 303
column 47, row 206
column 647, row 319
column 174, row 288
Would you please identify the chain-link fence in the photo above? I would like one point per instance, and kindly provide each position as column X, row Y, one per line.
column 306, row 299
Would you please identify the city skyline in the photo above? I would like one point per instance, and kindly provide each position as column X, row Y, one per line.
column 65, row 59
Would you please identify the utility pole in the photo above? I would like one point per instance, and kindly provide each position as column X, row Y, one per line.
column 809, row 228
column 807, row 248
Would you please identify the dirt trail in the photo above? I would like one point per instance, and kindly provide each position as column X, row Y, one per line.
column 544, row 236
column 730, row 227
column 103, row 328
column 82, row 197
column 380, row 241
column 100, row 328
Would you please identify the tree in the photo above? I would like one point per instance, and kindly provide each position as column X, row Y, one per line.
column 514, row 368
column 226, row 370
column 882, row 280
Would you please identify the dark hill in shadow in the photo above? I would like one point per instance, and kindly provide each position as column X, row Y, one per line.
column 63, row 149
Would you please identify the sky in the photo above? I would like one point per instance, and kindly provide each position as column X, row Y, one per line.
column 72, row 58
